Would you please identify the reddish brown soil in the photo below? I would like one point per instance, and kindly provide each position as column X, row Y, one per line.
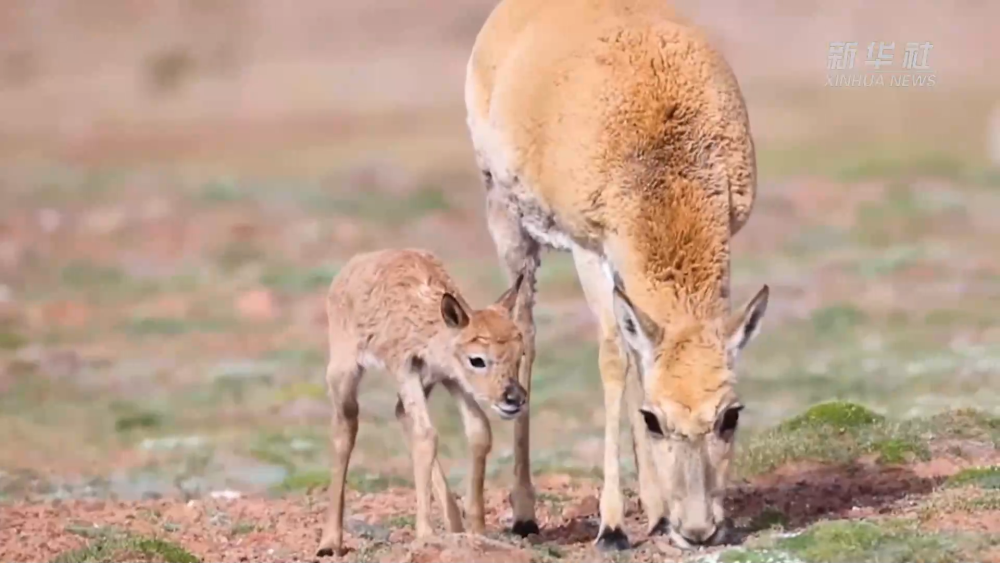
column 258, row 528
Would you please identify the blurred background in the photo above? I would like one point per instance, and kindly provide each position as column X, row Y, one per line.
column 180, row 181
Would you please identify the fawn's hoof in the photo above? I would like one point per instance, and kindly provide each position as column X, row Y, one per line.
column 525, row 528
column 330, row 552
column 612, row 539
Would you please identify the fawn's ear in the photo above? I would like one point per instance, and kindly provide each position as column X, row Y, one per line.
column 509, row 298
column 745, row 324
column 453, row 313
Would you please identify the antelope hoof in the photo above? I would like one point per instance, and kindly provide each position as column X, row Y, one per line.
column 525, row 528
column 613, row 539
column 330, row 552
column 661, row 528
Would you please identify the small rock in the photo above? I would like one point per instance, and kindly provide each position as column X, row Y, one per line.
column 368, row 531
column 668, row 549
column 257, row 304
column 172, row 443
column 507, row 517
column 227, row 494
column 220, row 519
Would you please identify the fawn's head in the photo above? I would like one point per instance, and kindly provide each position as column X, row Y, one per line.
column 486, row 351
column 690, row 410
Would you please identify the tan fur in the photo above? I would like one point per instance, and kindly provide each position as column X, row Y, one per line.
column 400, row 310
column 612, row 129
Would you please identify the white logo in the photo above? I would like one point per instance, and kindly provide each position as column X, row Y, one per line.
column 879, row 69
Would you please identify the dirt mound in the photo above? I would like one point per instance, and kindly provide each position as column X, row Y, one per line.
column 804, row 493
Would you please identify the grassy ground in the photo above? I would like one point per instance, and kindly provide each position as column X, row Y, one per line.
column 162, row 336
column 171, row 327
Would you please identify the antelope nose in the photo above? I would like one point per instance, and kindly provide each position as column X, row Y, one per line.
column 514, row 394
column 698, row 535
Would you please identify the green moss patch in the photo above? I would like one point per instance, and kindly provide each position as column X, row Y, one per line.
column 983, row 477
column 305, row 481
column 839, row 414
column 899, row 450
column 835, row 432
column 118, row 547
column 11, row 339
column 375, row 482
column 755, row 556
column 963, row 423
column 846, row 541
column 357, row 481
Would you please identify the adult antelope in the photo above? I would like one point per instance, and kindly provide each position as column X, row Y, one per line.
column 613, row 130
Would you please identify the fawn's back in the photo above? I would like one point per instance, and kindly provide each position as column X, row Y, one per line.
column 388, row 301
column 399, row 309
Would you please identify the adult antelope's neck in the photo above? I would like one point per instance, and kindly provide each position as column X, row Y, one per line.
column 672, row 253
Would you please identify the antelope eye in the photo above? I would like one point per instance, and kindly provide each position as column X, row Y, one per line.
column 652, row 423
column 477, row 362
column 729, row 421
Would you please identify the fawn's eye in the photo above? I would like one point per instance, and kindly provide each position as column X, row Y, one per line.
column 477, row 362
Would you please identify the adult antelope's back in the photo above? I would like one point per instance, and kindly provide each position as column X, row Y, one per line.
column 613, row 130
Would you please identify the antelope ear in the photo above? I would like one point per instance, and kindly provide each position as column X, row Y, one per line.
column 640, row 332
column 745, row 324
column 509, row 298
column 453, row 313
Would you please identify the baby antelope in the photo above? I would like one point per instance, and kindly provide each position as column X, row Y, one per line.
column 399, row 310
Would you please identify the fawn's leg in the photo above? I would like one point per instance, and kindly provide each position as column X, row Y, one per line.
column 342, row 376
column 519, row 254
column 480, row 438
column 452, row 514
column 423, row 446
